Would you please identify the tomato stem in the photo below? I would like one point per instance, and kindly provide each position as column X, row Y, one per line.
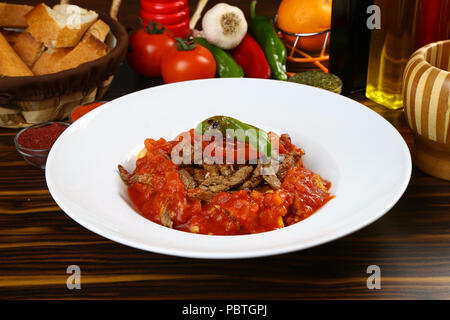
column 155, row 28
column 183, row 45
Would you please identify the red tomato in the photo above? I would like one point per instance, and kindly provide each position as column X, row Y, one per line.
column 194, row 63
column 147, row 50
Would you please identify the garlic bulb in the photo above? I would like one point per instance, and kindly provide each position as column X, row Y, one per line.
column 224, row 26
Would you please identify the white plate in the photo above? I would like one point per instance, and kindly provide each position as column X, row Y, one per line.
column 364, row 157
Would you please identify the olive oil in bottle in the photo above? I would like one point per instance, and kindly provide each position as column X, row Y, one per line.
column 390, row 48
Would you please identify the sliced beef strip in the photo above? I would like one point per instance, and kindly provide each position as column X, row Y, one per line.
column 200, row 194
column 239, row 176
column 215, row 184
column 252, row 183
column 212, row 170
column 273, row 181
column 124, row 175
column 255, row 180
column 268, row 174
column 290, row 161
column 142, row 178
column 187, row 179
column 221, row 183
column 226, row 169
column 166, row 216
column 129, row 179
column 199, row 175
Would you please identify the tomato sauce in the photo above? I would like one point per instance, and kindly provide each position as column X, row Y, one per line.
column 228, row 213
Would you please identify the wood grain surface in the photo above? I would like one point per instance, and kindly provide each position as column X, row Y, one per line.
column 411, row 243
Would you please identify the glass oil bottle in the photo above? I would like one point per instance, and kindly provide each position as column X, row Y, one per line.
column 390, row 48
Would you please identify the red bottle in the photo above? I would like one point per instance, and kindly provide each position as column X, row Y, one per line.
column 433, row 21
column 173, row 14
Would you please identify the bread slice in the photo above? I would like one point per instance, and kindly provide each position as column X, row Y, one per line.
column 60, row 27
column 28, row 49
column 48, row 60
column 10, row 35
column 99, row 30
column 10, row 63
column 13, row 15
column 87, row 50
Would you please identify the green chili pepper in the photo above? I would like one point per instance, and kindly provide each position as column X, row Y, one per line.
column 262, row 30
column 227, row 67
column 255, row 137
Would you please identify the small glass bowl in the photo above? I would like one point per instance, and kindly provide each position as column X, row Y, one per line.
column 36, row 157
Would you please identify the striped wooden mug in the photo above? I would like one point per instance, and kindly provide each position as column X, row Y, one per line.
column 426, row 89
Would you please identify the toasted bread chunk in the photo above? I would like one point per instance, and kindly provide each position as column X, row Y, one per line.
column 10, row 63
column 61, row 27
column 87, row 50
column 99, row 30
column 48, row 60
column 13, row 15
column 28, row 49
column 10, row 35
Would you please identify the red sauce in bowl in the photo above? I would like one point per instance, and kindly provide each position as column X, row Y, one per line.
column 34, row 143
column 41, row 138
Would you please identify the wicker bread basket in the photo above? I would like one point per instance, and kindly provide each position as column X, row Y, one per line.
column 25, row 101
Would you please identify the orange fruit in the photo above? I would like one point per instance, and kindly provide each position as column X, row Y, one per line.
column 305, row 16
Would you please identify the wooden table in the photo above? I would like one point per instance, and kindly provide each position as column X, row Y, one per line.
column 411, row 243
